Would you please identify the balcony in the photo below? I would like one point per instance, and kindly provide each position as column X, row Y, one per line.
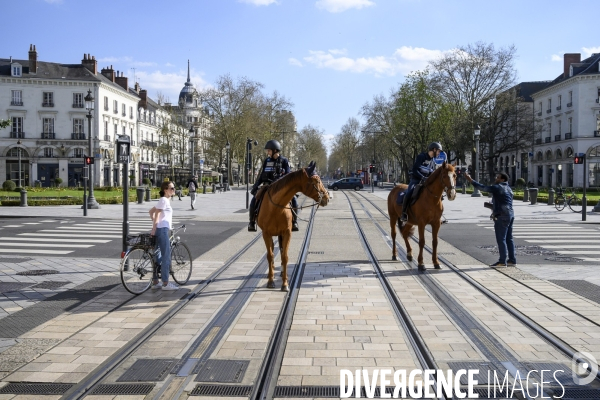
column 548, row 111
column 569, row 104
column 47, row 104
column 547, row 140
column 107, row 138
column 16, row 103
column 568, row 135
column 48, row 135
column 148, row 143
column 78, row 136
column 558, row 108
column 538, row 141
column 596, row 133
column 557, row 138
column 78, row 105
column 539, row 114
column 17, row 135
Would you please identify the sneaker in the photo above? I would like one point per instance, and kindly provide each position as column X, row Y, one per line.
column 157, row 286
column 170, row 286
column 498, row 264
column 511, row 264
column 192, row 206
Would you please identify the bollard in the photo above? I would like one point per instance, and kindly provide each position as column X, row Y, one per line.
column 23, row 198
column 525, row 195
column 550, row 197
column 140, row 195
column 533, row 193
column 148, row 194
column 204, row 188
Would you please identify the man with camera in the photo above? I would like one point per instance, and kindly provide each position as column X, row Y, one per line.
column 503, row 216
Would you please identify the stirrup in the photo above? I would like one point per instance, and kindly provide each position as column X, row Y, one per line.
column 252, row 226
column 404, row 217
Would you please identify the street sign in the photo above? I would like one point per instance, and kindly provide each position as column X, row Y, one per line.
column 123, row 149
column 439, row 160
column 201, row 162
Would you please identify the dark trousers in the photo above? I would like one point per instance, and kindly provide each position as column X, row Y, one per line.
column 503, row 227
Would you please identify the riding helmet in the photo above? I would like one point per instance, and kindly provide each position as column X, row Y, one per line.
column 273, row 145
column 435, row 146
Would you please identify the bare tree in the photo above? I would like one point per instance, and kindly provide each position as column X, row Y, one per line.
column 311, row 147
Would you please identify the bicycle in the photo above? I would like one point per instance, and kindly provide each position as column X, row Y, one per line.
column 139, row 266
column 574, row 202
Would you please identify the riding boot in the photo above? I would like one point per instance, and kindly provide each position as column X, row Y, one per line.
column 404, row 217
column 252, row 215
column 294, row 222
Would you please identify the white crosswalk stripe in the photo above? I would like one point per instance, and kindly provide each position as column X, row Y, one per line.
column 577, row 241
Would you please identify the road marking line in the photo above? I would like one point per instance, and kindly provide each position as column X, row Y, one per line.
column 578, row 252
column 40, row 252
column 68, row 235
column 46, row 245
column 57, row 240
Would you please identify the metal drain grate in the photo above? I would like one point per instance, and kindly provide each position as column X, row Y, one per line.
column 36, row 388
column 7, row 287
column 576, row 393
column 563, row 259
column 446, row 254
column 221, row 391
column 308, row 391
column 123, row 389
column 560, row 372
column 316, row 252
column 583, row 288
column 146, row 370
column 35, row 272
column 523, row 250
column 483, row 394
column 14, row 260
column 49, row 285
column 223, row 371
column 483, row 367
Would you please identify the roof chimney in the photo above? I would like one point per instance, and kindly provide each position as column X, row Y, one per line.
column 570, row 58
column 108, row 73
column 137, row 87
column 144, row 99
column 90, row 63
column 32, row 59
column 122, row 81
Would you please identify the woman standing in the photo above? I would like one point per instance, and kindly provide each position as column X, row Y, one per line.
column 162, row 221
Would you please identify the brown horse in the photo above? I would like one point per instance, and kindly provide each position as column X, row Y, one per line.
column 427, row 210
column 275, row 216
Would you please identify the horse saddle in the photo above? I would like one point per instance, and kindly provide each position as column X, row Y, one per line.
column 416, row 191
column 259, row 198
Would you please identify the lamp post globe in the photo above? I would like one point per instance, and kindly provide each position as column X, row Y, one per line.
column 89, row 106
column 477, row 132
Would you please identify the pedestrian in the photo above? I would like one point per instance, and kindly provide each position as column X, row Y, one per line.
column 179, row 192
column 162, row 223
column 503, row 216
column 192, row 187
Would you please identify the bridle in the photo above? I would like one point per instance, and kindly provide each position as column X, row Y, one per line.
column 446, row 188
column 317, row 203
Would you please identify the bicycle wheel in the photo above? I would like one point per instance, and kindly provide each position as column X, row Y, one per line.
column 181, row 263
column 136, row 270
column 559, row 203
column 575, row 204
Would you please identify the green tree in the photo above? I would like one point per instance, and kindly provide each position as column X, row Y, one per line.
column 4, row 123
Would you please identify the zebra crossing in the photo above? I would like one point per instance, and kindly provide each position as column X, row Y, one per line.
column 576, row 241
column 67, row 237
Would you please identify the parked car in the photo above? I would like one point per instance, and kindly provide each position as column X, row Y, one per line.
column 347, row 183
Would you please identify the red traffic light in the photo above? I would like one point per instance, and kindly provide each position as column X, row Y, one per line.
column 89, row 160
column 578, row 159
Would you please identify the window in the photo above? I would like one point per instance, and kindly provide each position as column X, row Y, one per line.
column 105, row 129
column 123, row 110
column 559, row 127
column 124, row 131
column 105, row 103
column 48, row 99
column 77, row 100
column 78, row 125
column 540, row 108
column 16, row 70
column 17, row 127
column 559, row 102
column 48, row 128
column 16, row 98
column 570, row 99
column 115, row 106
column 549, row 105
column 570, row 125
column 116, row 130
column 78, row 153
column 48, row 152
column 131, row 112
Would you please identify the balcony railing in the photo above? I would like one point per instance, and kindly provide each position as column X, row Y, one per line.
column 17, row 135
column 48, row 135
column 568, row 135
column 539, row 114
column 569, row 104
column 78, row 136
column 16, row 103
column 78, row 105
column 558, row 108
column 557, row 138
column 148, row 143
column 547, row 140
column 596, row 133
column 47, row 104
column 548, row 111
column 107, row 138
column 538, row 141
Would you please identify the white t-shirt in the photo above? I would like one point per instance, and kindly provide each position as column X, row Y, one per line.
column 165, row 218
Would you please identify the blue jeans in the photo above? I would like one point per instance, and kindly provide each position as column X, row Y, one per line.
column 503, row 226
column 163, row 253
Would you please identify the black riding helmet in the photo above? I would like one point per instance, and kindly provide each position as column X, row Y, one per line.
column 434, row 146
column 273, row 145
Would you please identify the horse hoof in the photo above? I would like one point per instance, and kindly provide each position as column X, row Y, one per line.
column 394, row 258
column 271, row 285
column 421, row 267
column 409, row 258
column 437, row 266
column 285, row 288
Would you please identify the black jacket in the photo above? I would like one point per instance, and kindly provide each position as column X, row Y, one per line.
column 422, row 167
column 273, row 169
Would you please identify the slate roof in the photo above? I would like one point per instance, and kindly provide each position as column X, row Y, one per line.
column 589, row 66
column 526, row 89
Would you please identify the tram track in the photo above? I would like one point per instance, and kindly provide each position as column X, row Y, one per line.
column 539, row 330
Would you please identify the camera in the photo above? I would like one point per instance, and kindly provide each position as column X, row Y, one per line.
column 489, row 205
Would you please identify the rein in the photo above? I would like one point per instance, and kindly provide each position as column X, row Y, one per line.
column 316, row 203
column 444, row 190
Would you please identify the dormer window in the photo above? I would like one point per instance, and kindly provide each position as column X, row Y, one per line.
column 16, row 70
column 570, row 71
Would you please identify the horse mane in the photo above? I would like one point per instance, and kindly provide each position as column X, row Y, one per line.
column 285, row 180
column 437, row 171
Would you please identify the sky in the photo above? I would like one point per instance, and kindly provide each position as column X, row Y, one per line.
column 328, row 57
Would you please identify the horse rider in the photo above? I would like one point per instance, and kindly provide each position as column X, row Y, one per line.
column 274, row 167
column 422, row 168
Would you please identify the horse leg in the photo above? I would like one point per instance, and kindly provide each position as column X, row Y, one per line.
column 285, row 245
column 405, row 230
column 435, row 227
column 421, row 245
column 393, row 219
column 270, row 258
column 280, row 240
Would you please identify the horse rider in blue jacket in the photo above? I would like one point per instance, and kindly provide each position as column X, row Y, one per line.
column 274, row 167
column 422, row 168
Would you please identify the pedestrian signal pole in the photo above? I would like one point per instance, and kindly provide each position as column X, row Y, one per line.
column 86, row 176
column 123, row 152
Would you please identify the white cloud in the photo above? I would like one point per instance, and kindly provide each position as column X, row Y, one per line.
column 168, row 83
column 403, row 60
column 588, row 51
column 336, row 6
column 294, row 62
column 338, row 51
column 127, row 61
column 556, row 57
column 169, row 65
column 259, row 2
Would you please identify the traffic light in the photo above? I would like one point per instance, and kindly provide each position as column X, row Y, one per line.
column 89, row 160
column 371, row 169
column 579, row 158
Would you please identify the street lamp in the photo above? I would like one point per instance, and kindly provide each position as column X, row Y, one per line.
column 228, row 146
column 476, row 161
column 248, row 166
column 19, row 153
column 89, row 106
column 192, row 139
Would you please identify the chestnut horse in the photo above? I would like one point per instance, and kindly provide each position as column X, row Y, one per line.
column 275, row 216
column 427, row 210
